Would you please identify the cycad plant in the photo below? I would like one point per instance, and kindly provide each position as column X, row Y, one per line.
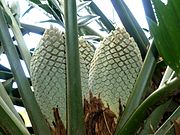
column 84, row 83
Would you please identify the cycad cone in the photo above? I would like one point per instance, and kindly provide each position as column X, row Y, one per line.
column 48, row 71
column 114, row 68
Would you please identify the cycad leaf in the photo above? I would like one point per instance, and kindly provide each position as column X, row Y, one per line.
column 89, row 37
column 28, row 10
column 176, row 4
column 167, row 32
column 5, row 75
column 8, row 119
column 54, row 5
column 46, row 7
column 103, row 17
column 51, row 8
column 131, row 25
column 153, row 120
column 8, row 18
column 164, row 129
column 85, row 20
column 36, row 1
column 26, row 28
column 82, row 5
column 53, row 21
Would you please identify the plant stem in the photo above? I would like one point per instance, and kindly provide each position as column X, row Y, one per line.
column 149, row 10
column 139, row 88
column 133, row 123
column 19, row 37
column 103, row 18
column 152, row 121
column 154, row 118
column 31, row 28
column 131, row 25
column 167, row 124
column 7, row 100
column 75, row 119
column 166, row 76
column 39, row 124
column 9, row 120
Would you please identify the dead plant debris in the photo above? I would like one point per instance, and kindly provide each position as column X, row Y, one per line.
column 99, row 120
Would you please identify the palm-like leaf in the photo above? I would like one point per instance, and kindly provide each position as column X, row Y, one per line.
column 166, row 32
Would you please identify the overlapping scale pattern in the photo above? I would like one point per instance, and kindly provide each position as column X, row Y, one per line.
column 48, row 71
column 86, row 51
column 114, row 68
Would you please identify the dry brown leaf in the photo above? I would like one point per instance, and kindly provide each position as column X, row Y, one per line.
column 59, row 128
column 177, row 126
column 99, row 120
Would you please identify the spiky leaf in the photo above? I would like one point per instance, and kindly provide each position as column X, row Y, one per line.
column 166, row 33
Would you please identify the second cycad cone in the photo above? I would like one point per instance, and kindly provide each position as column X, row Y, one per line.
column 114, row 68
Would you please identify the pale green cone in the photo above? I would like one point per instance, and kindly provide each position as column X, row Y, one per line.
column 48, row 71
column 114, row 68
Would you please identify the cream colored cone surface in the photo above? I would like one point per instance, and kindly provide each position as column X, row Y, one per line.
column 48, row 71
column 114, row 68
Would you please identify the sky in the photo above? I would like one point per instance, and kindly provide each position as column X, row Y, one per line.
column 135, row 6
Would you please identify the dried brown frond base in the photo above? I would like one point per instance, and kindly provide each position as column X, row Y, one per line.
column 177, row 126
column 99, row 120
column 59, row 128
